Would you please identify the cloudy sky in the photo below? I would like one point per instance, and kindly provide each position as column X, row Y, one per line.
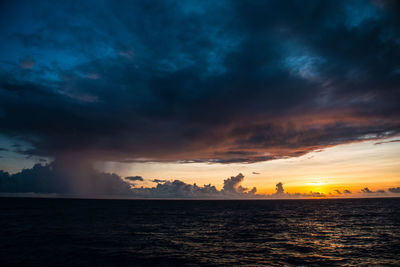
column 306, row 94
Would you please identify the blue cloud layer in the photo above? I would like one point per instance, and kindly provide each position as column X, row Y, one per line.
column 197, row 81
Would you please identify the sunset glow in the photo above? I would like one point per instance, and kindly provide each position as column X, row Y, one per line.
column 199, row 133
column 184, row 104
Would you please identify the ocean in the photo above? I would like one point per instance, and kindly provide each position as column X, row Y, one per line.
column 83, row 232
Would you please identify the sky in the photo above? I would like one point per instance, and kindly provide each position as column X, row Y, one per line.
column 200, row 99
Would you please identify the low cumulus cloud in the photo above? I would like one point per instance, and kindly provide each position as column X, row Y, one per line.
column 57, row 178
column 344, row 192
column 232, row 185
column 279, row 189
column 177, row 189
column 366, row 190
column 280, row 193
column 395, row 190
column 83, row 180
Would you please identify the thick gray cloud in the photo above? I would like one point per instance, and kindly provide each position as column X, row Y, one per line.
column 167, row 81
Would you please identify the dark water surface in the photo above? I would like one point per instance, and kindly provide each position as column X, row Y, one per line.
column 51, row 232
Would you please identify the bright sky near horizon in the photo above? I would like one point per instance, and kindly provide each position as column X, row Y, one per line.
column 372, row 164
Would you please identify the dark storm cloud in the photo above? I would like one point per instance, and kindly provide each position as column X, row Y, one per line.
column 58, row 178
column 223, row 81
column 347, row 191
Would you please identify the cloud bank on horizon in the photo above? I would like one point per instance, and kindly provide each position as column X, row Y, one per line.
column 55, row 179
column 197, row 81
